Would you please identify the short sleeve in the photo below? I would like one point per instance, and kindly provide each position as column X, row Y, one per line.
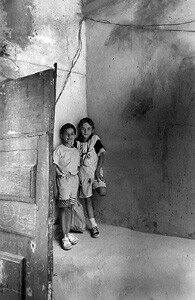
column 56, row 156
column 99, row 148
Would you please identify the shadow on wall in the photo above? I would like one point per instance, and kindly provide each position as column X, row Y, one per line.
column 161, row 109
column 150, row 11
column 145, row 79
column 167, row 122
column 147, row 11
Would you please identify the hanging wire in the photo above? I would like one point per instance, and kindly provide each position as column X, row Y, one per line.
column 39, row 65
column 74, row 60
column 151, row 27
column 148, row 27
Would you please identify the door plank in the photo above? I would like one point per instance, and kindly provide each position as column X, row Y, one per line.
column 25, row 247
column 18, row 158
column 20, row 143
column 24, row 105
column 11, row 276
column 18, row 183
column 18, row 217
column 43, row 191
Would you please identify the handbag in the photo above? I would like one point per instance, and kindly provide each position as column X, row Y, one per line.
column 78, row 223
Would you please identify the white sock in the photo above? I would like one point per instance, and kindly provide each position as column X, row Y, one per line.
column 93, row 222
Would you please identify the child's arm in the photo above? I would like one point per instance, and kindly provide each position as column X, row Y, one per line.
column 55, row 188
column 99, row 166
column 59, row 172
column 56, row 156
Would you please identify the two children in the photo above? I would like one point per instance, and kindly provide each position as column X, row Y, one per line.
column 82, row 157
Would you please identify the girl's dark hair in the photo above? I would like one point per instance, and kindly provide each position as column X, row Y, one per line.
column 86, row 120
column 65, row 127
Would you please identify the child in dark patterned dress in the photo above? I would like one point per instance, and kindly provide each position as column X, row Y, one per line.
column 92, row 154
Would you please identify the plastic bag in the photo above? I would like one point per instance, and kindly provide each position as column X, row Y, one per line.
column 78, row 223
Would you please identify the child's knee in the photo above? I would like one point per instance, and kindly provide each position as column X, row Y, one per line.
column 101, row 191
column 88, row 200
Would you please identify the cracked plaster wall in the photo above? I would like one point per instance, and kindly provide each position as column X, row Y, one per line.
column 42, row 33
column 140, row 93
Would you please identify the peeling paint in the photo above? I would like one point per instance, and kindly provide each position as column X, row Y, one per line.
column 33, row 246
column 21, row 27
column 41, row 35
column 11, row 131
column 49, row 291
column 4, row 31
column 29, row 292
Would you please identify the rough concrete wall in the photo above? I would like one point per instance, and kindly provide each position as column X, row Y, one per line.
column 140, row 93
column 42, row 33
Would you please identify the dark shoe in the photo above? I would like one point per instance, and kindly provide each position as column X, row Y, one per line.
column 95, row 232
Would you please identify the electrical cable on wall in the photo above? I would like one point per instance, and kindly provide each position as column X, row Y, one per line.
column 74, row 60
column 39, row 65
column 148, row 27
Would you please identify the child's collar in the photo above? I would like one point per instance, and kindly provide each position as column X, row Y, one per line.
column 80, row 138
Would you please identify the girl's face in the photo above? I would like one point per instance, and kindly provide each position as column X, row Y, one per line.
column 86, row 131
column 68, row 137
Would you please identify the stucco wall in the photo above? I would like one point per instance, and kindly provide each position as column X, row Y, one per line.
column 140, row 93
column 42, row 33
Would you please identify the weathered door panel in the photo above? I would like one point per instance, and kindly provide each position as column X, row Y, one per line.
column 26, row 193
column 16, row 182
column 18, row 217
column 12, row 269
column 25, row 105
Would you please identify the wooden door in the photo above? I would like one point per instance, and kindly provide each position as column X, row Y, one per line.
column 26, row 193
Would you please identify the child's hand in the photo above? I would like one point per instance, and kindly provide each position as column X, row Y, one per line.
column 59, row 171
column 91, row 180
column 67, row 176
column 72, row 200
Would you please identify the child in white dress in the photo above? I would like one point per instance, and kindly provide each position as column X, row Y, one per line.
column 66, row 160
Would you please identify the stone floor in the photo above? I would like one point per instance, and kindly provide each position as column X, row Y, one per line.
column 125, row 265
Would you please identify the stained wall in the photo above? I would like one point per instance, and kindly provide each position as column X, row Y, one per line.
column 37, row 34
column 141, row 93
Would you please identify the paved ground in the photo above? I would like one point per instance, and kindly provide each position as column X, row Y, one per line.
column 125, row 265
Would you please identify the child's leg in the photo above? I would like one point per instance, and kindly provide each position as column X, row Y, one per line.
column 90, row 214
column 66, row 201
column 66, row 217
column 69, row 238
column 89, row 207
